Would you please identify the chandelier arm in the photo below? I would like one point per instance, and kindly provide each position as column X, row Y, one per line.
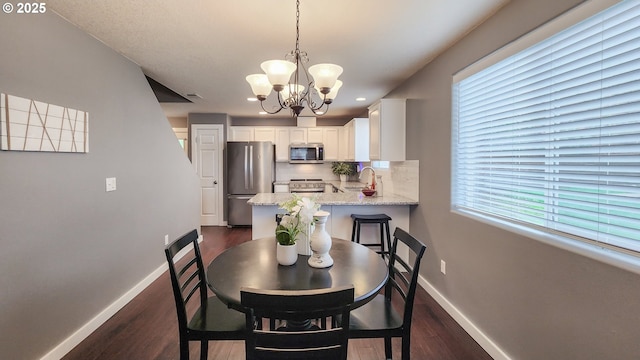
column 282, row 102
column 317, row 111
column 270, row 112
column 312, row 103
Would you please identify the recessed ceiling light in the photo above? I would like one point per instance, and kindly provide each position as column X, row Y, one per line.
column 361, row 99
column 319, row 112
column 252, row 99
column 262, row 113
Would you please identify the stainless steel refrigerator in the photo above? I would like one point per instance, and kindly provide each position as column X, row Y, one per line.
column 251, row 169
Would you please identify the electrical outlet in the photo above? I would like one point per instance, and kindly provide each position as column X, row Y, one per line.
column 166, row 240
column 443, row 267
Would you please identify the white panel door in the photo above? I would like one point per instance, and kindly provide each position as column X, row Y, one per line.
column 207, row 158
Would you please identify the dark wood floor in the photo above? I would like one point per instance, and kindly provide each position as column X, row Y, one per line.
column 146, row 328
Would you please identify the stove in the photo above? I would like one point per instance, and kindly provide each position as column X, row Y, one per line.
column 306, row 185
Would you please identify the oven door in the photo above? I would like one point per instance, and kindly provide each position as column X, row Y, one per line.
column 308, row 191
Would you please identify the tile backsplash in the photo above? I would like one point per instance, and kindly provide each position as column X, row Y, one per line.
column 398, row 177
column 286, row 171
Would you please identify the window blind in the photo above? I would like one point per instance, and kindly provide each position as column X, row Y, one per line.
column 550, row 136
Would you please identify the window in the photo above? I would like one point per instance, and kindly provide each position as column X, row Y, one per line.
column 549, row 137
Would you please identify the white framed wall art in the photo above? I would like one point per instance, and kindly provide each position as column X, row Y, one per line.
column 31, row 125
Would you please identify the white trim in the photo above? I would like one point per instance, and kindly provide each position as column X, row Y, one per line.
column 195, row 147
column 92, row 325
column 481, row 338
column 77, row 337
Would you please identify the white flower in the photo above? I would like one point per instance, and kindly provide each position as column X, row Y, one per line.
column 286, row 220
column 300, row 215
column 307, row 208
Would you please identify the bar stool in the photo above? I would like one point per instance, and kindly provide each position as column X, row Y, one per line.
column 382, row 220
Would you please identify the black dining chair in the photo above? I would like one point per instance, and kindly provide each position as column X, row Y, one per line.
column 300, row 338
column 200, row 317
column 378, row 318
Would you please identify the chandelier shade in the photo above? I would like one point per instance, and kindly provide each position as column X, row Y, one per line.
column 260, row 85
column 334, row 91
column 325, row 76
column 291, row 91
column 287, row 77
column 278, row 71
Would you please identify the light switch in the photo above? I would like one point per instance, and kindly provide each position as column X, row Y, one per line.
column 111, row 184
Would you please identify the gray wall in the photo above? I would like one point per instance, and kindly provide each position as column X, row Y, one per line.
column 69, row 249
column 534, row 300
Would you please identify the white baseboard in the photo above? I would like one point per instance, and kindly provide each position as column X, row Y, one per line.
column 481, row 338
column 77, row 337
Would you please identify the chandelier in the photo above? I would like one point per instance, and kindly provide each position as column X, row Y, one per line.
column 294, row 93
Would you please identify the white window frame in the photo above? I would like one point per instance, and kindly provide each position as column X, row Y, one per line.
column 628, row 260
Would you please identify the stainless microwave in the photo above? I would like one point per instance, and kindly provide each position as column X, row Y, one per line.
column 306, row 153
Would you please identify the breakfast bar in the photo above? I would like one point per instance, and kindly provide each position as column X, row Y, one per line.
column 341, row 205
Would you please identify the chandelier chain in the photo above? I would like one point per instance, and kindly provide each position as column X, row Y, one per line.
column 297, row 25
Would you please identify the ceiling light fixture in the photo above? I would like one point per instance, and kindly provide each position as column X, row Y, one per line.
column 290, row 93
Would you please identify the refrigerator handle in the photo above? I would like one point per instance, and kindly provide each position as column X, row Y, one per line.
column 251, row 165
column 246, row 167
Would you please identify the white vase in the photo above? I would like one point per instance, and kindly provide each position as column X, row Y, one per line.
column 303, row 242
column 320, row 242
column 343, row 178
column 286, row 254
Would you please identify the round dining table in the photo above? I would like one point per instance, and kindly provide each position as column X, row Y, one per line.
column 254, row 264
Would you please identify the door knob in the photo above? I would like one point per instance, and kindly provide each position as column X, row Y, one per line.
column 215, row 182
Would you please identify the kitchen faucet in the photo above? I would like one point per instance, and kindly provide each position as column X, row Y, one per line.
column 373, row 175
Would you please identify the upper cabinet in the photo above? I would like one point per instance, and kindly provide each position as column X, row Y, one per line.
column 298, row 135
column 356, row 133
column 315, row 135
column 252, row 133
column 387, row 130
column 331, row 141
column 264, row 134
column 282, row 136
column 241, row 133
column 282, row 144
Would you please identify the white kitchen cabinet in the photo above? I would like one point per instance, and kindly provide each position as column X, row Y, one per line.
column 282, row 136
column 329, row 136
column 356, row 133
column 297, row 135
column 264, row 134
column 343, row 134
column 282, row 143
column 281, row 188
column 315, row 135
column 241, row 133
column 331, row 141
column 387, row 130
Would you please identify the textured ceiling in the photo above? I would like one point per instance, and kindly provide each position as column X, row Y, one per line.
column 207, row 47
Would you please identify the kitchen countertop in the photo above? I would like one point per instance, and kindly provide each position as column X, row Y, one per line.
column 339, row 198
